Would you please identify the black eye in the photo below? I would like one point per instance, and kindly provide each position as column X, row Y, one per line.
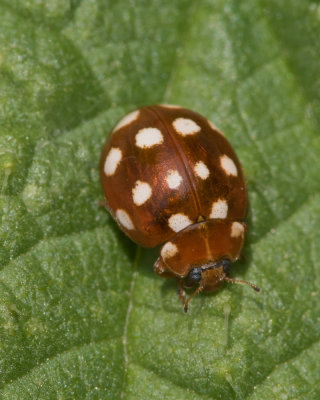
column 226, row 265
column 193, row 277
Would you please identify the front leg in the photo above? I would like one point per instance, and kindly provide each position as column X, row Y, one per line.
column 182, row 294
column 161, row 269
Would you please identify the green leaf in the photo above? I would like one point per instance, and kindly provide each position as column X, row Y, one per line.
column 82, row 315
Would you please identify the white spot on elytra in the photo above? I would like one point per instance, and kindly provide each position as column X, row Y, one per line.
column 173, row 179
column 170, row 106
column 112, row 161
column 228, row 165
column 148, row 137
column 219, row 209
column 128, row 119
column 169, row 250
column 177, row 222
column 214, row 127
column 141, row 193
column 124, row 219
column 237, row 229
column 201, row 170
column 185, row 126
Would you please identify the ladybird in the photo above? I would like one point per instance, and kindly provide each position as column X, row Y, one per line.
column 170, row 177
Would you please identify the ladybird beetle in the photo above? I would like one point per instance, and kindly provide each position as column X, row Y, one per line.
column 169, row 176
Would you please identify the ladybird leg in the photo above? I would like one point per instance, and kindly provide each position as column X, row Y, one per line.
column 161, row 269
column 198, row 290
column 181, row 293
column 102, row 204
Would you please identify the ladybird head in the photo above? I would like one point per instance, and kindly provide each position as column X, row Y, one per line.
column 201, row 255
column 210, row 275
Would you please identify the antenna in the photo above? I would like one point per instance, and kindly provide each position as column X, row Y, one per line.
column 240, row 281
